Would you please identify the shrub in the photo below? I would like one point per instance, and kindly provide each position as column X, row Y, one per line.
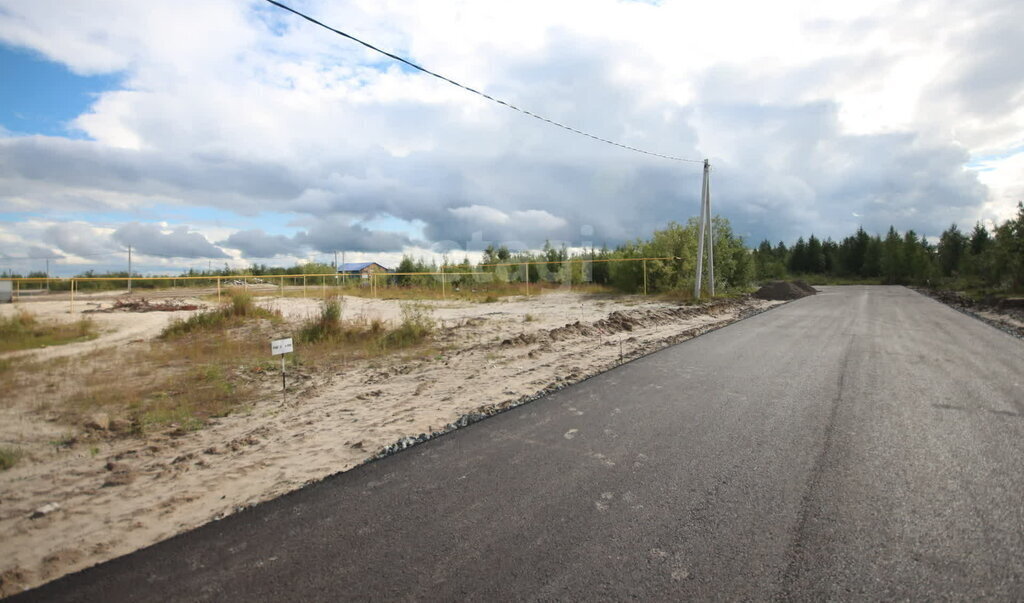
column 326, row 326
column 240, row 306
column 416, row 326
column 9, row 457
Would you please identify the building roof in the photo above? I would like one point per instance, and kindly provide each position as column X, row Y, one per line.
column 356, row 266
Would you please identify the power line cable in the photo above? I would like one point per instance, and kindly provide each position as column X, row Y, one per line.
column 475, row 91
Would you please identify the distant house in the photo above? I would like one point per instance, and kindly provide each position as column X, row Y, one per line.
column 363, row 269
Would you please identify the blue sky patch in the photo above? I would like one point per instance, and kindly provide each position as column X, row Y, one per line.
column 42, row 97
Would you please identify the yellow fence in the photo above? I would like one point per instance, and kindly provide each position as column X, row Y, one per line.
column 373, row 279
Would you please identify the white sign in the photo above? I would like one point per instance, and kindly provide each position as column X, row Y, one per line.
column 281, row 346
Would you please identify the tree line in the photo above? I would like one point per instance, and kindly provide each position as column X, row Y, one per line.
column 978, row 259
column 982, row 258
column 673, row 251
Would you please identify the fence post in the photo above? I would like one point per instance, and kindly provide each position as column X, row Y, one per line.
column 72, row 309
column 303, row 286
column 645, row 276
column 218, row 289
column 527, row 267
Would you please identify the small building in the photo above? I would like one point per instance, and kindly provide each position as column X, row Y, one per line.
column 363, row 269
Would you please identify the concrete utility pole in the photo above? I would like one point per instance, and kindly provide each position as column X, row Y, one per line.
column 129, row 269
column 705, row 224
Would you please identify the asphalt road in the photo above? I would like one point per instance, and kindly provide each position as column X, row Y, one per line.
column 867, row 442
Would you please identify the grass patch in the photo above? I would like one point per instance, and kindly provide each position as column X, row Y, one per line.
column 211, row 368
column 9, row 457
column 239, row 307
column 324, row 327
column 22, row 331
column 368, row 337
column 471, row 292
column 197, row 381
column 415, row 327
column 825, row 280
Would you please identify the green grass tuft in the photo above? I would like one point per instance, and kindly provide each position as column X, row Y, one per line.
column 239, row 307
column 9, row 457
column 23, row 331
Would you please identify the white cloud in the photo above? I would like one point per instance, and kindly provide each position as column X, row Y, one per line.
column 811, row 111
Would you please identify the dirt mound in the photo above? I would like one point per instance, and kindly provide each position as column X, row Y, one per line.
column 782, row 290
column 803, row 285
column 144, row 305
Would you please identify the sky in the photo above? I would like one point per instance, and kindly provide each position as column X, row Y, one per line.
column 211, row 132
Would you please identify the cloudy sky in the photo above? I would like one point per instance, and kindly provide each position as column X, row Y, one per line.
column 204, row 132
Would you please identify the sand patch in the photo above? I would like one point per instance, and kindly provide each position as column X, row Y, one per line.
column 116, row 495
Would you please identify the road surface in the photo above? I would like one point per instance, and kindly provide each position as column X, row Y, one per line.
column 867, row 443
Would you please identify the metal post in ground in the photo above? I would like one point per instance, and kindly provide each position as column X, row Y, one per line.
column 218, row 289
column 72, row 309
column 645, row 277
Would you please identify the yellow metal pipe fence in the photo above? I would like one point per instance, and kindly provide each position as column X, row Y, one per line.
column 444, row 275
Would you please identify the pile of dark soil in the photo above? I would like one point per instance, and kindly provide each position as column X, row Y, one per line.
column 144, row 305
column 803, row 285
column 782, row 290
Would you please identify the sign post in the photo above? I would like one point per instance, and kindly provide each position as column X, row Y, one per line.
column 280, row 347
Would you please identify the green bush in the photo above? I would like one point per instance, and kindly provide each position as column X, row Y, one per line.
column 324, row 327
column 239, row 307
column 416, row 326
column 9, row 457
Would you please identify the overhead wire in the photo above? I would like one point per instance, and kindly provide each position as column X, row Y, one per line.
column 478, row 92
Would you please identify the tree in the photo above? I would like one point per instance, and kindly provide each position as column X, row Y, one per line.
column 798, row 257
column 814, row 261
column 952, row 245
column 892, row 260
column 1008, row 252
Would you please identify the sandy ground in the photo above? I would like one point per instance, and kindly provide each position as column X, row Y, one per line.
column 128, row 493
